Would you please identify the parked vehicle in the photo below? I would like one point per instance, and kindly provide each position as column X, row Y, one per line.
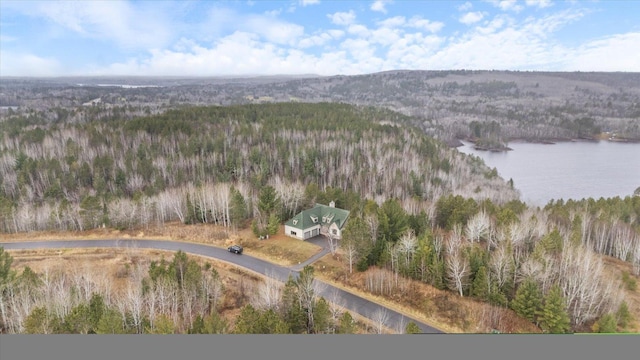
column 235, row 249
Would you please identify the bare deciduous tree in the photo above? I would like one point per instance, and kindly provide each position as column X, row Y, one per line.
column 267, row 294
column 379, row 318
column 456, row 263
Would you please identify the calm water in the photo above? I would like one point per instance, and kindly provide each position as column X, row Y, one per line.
column 570, row 170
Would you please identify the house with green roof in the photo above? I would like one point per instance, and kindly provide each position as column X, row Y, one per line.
column 320, row 219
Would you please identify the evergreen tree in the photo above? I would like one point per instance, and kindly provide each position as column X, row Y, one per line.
column 624, row 315
column 606, row 324
column 163, row 325
column 394, row 222
column 246, row 321
column 321, row 317
column 39, row 321
column 78, row 320
column 190, row 218
column 528, row 300
column 347, row 324
column 553, row 316
column 497, row 296
column 96, row 309
column 238, row 211
column 412, row 328
column 110, row 322
column 357, row 237
column 293, row 313
column 480, row 285
column 215, row 324
column 267, row 200
column 273, row 225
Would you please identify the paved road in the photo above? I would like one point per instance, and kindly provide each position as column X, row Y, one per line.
column 319, row 240
column 348, row 300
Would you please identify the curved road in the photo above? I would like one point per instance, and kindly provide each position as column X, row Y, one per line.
column 346, row 299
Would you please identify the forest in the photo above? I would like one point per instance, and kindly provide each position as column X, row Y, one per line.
column 534, row 106
column 419, row 210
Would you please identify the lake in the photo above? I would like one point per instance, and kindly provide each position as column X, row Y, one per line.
column 567, row 170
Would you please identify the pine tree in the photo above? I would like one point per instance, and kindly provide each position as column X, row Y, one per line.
column 238, row 208
column 480, row 286
column 412, row 328
column 553, row 316
column 267, row 200
column 273, row 224
column 624, row 315
column 191, row 212
column 606, row 324
column 346, row 324
column 528, row 300
column 110, row 322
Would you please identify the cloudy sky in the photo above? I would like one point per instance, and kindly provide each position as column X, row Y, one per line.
column 209, row 38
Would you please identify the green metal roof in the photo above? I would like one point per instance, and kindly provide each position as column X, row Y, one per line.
column 324, row 215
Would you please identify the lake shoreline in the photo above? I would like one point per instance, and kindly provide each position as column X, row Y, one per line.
column 568, row 170
column 456, row 143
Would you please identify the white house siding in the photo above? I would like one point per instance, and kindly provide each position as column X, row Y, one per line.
column 302, row 234
column 313, row 231
column 290, row 231
column 337, row 234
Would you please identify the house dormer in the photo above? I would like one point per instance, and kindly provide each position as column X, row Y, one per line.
column 295, row 221
column 314, row 219
column 332, row 204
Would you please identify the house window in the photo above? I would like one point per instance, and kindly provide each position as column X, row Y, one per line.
column 294, row 233
column 295, row 221
column 314, row 219
column 335, row 232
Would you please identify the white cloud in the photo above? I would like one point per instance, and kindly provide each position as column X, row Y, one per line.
column 506, row 5
column 493, row 25
column 424, row 24
column 385, row 36
column 465, row 7
column 504, row 44
column 130, row 26
column 20, row 64
column 539, row 3
column 336, row 34
column 380, row 6
column 393, row 22
column 273, row 13
column 268, row 26
column 342, row 18
column 308, row 2
column 471, row 17
column 359, row 30
column 273, row 30
column 320, row 39
column 240, row 53
column 607, row 54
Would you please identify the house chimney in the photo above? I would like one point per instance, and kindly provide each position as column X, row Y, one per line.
column 332, row 204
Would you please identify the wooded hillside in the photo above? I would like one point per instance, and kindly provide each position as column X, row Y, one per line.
column 148, row 169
